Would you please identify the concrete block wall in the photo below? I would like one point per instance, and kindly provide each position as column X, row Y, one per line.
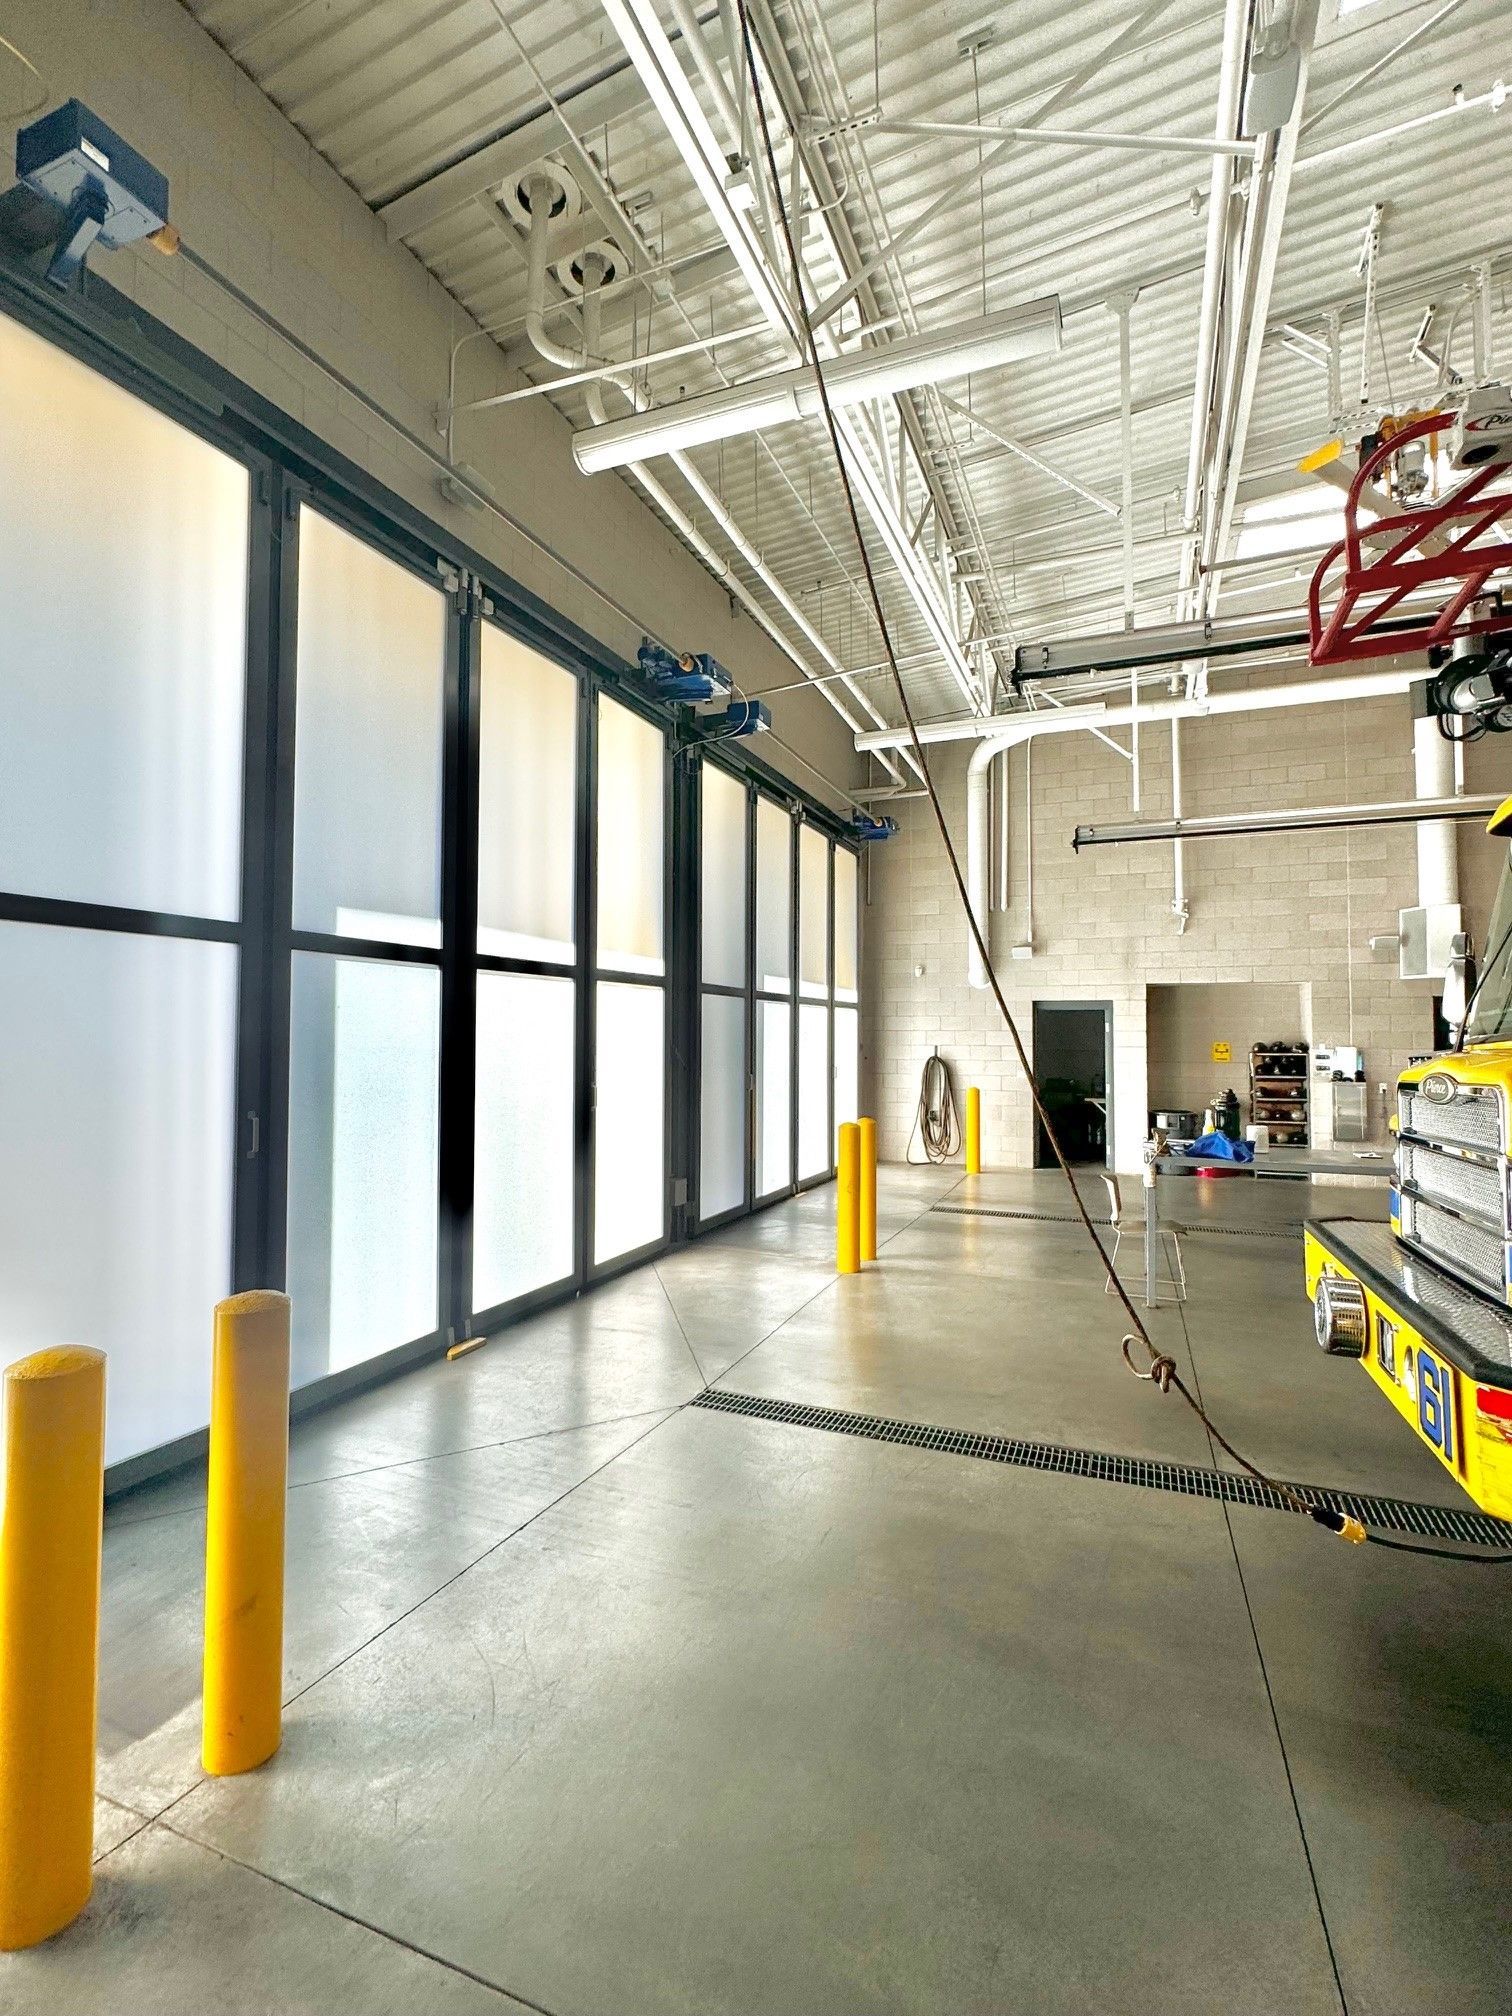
column 1275, row 909
column 255, row 200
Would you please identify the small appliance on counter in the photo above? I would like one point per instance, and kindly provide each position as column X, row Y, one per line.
column 1177, row 1123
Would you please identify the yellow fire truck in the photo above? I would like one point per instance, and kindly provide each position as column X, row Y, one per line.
column 1425, row 1305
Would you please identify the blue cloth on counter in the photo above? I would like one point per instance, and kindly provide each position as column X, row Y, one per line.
column 1219, row 1148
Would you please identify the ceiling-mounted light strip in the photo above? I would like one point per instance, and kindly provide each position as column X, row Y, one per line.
column 978, row 345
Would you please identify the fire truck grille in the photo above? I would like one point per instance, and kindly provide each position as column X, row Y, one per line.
column 1475, row 1255
column 1472, row 1119
column 1463, row 1186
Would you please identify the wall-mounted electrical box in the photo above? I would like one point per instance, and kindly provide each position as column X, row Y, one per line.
column 1427, row 940
column 109, row 194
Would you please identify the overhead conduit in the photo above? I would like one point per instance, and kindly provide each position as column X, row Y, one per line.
column 586, row 356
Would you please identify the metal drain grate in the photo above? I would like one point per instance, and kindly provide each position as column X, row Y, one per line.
column 1291, row 1230
column 1191, row 1480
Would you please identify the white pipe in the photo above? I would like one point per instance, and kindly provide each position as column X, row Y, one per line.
column 994, row 738
column 1495, row 98
column 679, row 519
column 1003, row 853
column 1179, row 909
column 1433, row 777
column 1028, row 839
column 1225, row 127
column 1058, row 136
column 714, row 505
column 979, row 858
column 645, row 40
column 696, row 346
column 709, row 70
column 999, row 730
column 570, row 358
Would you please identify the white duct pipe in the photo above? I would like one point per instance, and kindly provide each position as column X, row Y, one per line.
column 979, row 858
column 1433, row 777
column 1179, row 908
column 1003, row 849
column 993, row 739
column 568, row 357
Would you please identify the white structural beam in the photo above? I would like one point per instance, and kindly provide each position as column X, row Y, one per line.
column 1236, row 19
column 1091, row 66
column 650, row 51
column 830, row 221
column 1269, row 190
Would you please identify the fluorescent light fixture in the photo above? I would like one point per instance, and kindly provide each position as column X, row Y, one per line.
column 977, row 345
column 1311, row 516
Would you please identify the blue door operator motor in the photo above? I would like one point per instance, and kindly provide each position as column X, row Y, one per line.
column 695, row 679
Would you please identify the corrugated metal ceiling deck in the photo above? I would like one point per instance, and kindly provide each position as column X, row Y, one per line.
column 392, row 92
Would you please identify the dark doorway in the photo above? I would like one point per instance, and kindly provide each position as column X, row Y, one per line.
column 1073, row 1054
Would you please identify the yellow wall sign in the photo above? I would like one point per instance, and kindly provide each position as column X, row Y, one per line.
column 1223, row 1053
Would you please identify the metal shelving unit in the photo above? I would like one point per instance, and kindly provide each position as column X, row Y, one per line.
column 1279, row 1097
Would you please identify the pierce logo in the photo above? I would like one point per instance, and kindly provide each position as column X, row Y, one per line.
column 1439, row 1087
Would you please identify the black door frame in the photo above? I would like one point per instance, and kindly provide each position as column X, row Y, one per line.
column 1062, row 1007
column 290, row 466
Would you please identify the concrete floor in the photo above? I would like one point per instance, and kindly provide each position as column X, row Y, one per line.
column 599, row 1705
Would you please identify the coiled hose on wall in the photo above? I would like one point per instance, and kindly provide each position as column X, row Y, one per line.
column 936, row 1124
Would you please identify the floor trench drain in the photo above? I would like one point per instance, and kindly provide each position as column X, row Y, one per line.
column 1291, row 1230
column 1192, row 1480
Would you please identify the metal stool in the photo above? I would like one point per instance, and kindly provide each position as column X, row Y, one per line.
column 1174, row 1287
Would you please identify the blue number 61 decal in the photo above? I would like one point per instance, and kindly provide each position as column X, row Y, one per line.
column 1436, row 1404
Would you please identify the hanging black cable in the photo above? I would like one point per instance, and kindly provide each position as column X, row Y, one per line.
column 1162, row 1369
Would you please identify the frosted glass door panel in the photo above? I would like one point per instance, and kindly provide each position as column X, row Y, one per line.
column 774, row 896
column 364, row 1040
column 846, row 915
column 527, row 802
column 123, row 581
column 723, row 906
column 522, row 1185
column 813, row 914
column 774, row 1110
column 632, row 783
column 813, row 1091
column 629, row 1179
column 117, row 1102
column 367, row 757
column 847, row 1064
column 722, row 1107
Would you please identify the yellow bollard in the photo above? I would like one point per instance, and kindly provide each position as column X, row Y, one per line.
column 49, row 1638
column 244, row 1533
column 868, row 1189
column 973, row 1131
column 848, row 1200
